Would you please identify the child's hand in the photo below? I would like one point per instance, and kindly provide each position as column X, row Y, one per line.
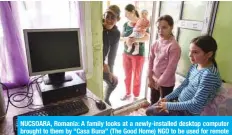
column 151, row 82
column 162, row 106
column 162, row 100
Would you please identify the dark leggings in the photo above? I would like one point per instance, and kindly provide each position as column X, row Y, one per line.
column 156, row 94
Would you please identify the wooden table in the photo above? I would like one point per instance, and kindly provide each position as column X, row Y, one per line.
column 6, row 125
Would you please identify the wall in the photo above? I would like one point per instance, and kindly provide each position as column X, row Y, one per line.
column 223, row 34
column 95, row 84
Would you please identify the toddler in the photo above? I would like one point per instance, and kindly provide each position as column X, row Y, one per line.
column 139, row 31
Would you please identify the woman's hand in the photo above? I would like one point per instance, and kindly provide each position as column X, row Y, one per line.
column 130, row 40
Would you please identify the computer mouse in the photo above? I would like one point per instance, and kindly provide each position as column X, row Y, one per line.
column 100, row 104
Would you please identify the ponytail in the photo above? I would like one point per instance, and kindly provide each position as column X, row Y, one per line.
column 136, row 13
column 207, row 44
column 213, row 59
column 131, row 8
column 214, row 62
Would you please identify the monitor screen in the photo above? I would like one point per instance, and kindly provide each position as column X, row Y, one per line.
column 53, row 50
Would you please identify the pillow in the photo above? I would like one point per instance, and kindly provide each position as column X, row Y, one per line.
column 211, row 109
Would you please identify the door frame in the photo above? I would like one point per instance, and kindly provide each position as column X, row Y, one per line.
column 206, row 26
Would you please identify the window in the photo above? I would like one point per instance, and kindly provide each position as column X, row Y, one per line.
column 48, row 14
column 33, row 14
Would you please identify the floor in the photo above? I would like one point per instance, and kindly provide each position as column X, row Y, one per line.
column 120, row 89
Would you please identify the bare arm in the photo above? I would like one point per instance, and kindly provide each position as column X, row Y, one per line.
column 131, row 40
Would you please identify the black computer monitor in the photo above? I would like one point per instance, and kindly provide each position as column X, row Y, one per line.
column 53, row 52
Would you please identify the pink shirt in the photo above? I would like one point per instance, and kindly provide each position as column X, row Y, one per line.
column 163, row 60
column 141, row 25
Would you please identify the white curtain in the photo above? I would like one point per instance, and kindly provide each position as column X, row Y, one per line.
column 59, row 14
column 86, row 36
column 48, row 14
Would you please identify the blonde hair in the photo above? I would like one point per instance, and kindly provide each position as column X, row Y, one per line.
column 144, row 10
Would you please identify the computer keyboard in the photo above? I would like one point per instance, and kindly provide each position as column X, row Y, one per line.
column 68, row 108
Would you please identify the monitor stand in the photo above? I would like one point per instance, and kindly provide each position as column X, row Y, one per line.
column 57, row 78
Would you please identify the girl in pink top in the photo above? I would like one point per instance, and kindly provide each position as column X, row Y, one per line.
column 163, row 60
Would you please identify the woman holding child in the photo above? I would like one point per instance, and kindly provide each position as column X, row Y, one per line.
column 132, row 63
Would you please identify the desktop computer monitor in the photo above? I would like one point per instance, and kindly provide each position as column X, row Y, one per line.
column 53, row 52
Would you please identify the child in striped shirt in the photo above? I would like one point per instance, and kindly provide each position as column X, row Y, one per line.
column 200, row 85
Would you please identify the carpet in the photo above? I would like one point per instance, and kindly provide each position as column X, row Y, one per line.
column 138, row 112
